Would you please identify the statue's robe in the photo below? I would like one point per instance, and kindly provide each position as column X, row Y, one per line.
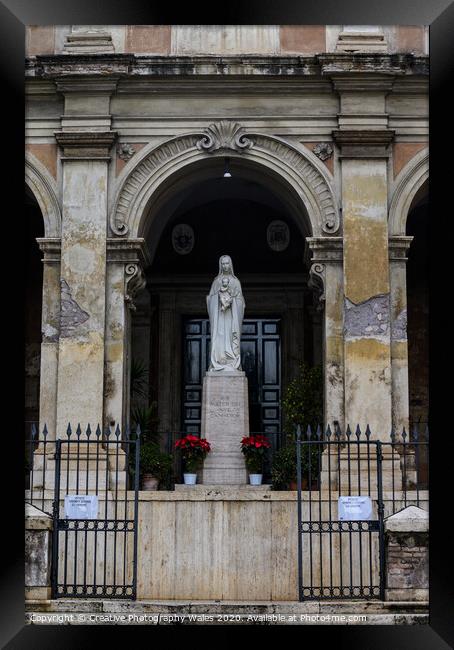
column 225, row 326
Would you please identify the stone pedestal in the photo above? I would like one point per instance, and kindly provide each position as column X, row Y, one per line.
column 225, row 420
column 407, row 555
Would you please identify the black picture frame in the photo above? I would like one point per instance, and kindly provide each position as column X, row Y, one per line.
column 14, row 15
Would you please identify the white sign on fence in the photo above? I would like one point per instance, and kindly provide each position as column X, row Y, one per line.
column 81, row 506
column 354, row 508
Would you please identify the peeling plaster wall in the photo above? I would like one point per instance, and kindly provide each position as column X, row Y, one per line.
column 83, row 273
column 366, row 285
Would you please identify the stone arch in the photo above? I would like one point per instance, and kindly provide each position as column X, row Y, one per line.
column 300, row 170
column 44, row 190
column 409, row 180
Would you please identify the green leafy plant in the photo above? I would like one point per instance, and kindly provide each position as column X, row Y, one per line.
column 303, row 399
column 154, row 461
column 302, row 405
column 138, row 377
column 146, row 418
column 284, row 466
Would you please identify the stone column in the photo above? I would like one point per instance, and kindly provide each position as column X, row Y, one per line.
column 398, row 247
column 50, row 330
column 327, row 280
column 367, row 337
column 125, row 278
column 83, row 278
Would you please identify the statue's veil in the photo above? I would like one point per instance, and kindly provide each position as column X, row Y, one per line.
column 231, row 265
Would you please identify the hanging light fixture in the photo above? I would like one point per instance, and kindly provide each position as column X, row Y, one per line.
column 227, row 173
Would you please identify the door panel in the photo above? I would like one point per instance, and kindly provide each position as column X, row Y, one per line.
column 260, row 359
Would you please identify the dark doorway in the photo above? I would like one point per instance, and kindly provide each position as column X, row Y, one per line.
column 260, row 359
column 33, row 305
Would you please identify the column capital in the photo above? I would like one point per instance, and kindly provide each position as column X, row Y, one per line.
column 85, row 145
column 51, row 247
column 128, row 251
column 325, row 249
column 367, row 143
column 398, row 246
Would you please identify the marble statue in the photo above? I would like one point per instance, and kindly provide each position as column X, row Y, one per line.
column 226, row 305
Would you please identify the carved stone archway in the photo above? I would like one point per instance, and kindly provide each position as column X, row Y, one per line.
column 43, row 188
column 300, row 170
column 409, row 180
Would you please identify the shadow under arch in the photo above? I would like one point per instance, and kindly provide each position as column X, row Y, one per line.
column 43, row 187
column 406, row 186
column 173, row 192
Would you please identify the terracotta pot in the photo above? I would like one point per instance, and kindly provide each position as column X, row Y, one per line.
column 293, row 485
column 149, row 482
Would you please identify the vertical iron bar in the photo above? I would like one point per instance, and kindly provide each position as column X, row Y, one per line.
column 95, row 551
column 339, row 523
column 360, row 523
column 44, row 463
column 84, row 587
column 125, row 509
column 76, row 522
column 117, row 450
column 56, row 516
column 65, row 569
column 380, row 509
column 328, row 449
column 309, row 478
column 106, row 496
column 405, row 467
column 31, row 461
column 136, row 513
column 319, row 509
column 349, row 523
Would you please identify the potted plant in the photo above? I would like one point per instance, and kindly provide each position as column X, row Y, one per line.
column 156, row 466
column 284, row 471
column 194, row 451
column 255, row 449
column 302, row 404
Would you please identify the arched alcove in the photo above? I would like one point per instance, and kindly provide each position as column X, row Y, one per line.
column 249, row 216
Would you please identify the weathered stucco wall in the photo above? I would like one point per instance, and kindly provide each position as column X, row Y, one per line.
column 224, row 39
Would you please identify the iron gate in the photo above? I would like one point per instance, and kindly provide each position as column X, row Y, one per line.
column 95, row 515
column 339, row 556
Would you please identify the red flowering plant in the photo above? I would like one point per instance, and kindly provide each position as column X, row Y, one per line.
column 255, row 449
column 193, row 450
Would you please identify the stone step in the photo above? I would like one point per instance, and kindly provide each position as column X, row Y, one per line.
column 190, row 612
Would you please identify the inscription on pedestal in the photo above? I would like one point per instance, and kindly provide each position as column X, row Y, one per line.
column 225, row 420
column 224, row 409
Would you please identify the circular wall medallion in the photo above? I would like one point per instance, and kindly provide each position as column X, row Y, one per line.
column 278, row 236
column 182, row 239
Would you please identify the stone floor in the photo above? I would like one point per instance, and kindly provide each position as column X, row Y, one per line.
column 127, row 612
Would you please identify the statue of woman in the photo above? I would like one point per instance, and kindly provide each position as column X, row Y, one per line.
column 226, row 305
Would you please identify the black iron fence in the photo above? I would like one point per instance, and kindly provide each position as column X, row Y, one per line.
column 89, row 482
column 347, row 483
column 412, row 448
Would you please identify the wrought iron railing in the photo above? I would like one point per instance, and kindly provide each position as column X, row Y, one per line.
column 353, row 481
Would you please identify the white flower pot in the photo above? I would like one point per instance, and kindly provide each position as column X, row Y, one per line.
column 149, row 482
column 190, row 479
column 255, row 479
